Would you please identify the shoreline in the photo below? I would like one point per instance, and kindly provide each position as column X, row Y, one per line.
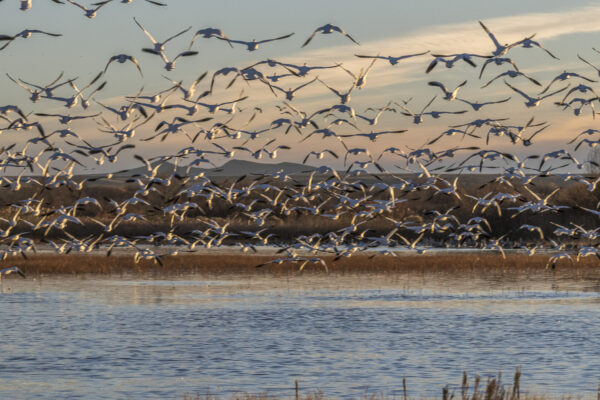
column 475, row 262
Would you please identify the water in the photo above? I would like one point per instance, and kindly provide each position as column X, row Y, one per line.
column 107, row 338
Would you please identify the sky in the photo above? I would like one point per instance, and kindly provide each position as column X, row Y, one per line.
column 567, row 29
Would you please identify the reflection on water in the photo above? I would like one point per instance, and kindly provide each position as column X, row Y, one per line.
column 149, row 338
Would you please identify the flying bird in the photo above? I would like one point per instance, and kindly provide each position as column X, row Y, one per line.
column 154, row 2
column 170, row 64
column 91, row 12
column 25, row 34
column 159, row 47
column 476, row 105
column 448, row 95
column 527, row 43
column 563, row 77
column 512, row 74
column 208, row 33
column 122, row 58
column 254, row 44
column 533, row 101
column 501, row 49
column 391, row 59
column 451, row 59
column 11, row 270
column 327, row 29
column 290, row 93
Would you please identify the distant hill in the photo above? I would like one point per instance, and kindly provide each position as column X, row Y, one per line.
column 241, row 167
column 230, row 168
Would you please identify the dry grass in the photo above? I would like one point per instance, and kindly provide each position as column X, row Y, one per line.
column 289, row 227
column 494, row 389
column 453, row 263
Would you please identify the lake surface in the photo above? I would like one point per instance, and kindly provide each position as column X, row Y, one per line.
column 132, row 337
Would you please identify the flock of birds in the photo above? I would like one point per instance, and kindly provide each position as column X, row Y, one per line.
column 217, row 126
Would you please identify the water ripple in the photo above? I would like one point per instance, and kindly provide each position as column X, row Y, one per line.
column 156, row 339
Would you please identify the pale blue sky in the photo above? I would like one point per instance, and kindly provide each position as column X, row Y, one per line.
column 86, row 43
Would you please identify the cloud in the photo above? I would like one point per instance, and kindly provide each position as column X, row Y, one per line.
column 405, row 80
column 453, row 38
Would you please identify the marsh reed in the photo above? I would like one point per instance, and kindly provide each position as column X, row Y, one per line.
column 451, row 262
column 494, row 389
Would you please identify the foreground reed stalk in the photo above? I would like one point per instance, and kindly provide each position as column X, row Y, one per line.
column 494, row 390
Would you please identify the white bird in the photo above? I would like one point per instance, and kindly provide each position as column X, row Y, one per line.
column 147, row 254
column 533, row 228
column 533, row 101
column 290, row 93
column 327, row 29
column 187, row 93
column 122, row 58
column 207, row 33
column 393, row 60
column 254, row 44
column 553, row 260
column 495, row 245
column 588, row 251
column 563, row 77
column 25, row 34
column 371, row 121
column 156, row 3
column 501, row 49
column 528, row 43
column 512, row 74
column 345, row 96
column 372, row 136
column 48, row 89
column 589, row 132
column 85, row 101
column 35, row 95
column 91, row 12
column 360, row 79
column 170, row 64
column 417, row 118
column 4, row 110
column 257, row 236
column 476, row 105
column 11, row 270
column 159, row 47
column 412, row 245
column 67, row 119
column 450, row 59
column 452, row 132
column 301, row 70
column 498, row 61
column 589, row 63
column 448, row 95
column 319, row 155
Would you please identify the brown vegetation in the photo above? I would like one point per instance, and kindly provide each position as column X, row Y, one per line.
column 454, row 263
column 287, row 227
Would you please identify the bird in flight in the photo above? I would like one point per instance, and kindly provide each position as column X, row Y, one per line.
column 448, row 95
column 11, row 270
column 121, row 59
column 207, row 33
column 159, row 46
column 91, row 12
column 25, row 34
column 391, row 59
column 254, row 44
column 327, row 29
column 533, row 101
column 501, row 49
